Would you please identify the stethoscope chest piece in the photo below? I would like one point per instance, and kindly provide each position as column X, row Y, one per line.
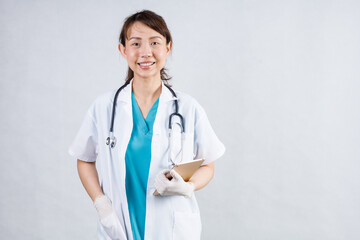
column 111, row 140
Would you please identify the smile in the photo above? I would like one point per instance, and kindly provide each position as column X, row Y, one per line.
column 147, row 64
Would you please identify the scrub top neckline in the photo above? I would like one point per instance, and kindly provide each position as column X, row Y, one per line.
column 145, row 125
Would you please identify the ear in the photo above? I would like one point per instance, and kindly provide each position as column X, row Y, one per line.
column 168, row 48
column 122, row 50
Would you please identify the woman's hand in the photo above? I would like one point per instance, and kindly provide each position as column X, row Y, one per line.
column 175, row 186
column 103, row 206
column 108, row 218
column 178, row 186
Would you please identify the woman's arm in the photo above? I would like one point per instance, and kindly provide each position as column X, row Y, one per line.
column 89, row 178
column 202, row 176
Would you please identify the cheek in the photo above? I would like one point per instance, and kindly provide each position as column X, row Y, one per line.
column 131, row 58
column 131, row 54
column 161, row 55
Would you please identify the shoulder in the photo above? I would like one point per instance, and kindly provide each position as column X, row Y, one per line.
column 187, row 99
column 192, row 105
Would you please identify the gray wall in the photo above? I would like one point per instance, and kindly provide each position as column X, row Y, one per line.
column 278, row 79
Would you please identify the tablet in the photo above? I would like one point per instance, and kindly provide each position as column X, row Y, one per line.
column 185, row 170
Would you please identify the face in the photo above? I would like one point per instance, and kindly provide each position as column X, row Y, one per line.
column 145, row 51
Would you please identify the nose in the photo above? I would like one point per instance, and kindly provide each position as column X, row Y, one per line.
column 145, row 51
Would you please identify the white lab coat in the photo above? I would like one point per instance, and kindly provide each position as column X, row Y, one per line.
column 168, row 217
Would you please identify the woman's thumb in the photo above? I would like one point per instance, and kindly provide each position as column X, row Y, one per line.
column 175, row 175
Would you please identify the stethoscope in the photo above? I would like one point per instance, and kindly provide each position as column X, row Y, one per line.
column 111, row 140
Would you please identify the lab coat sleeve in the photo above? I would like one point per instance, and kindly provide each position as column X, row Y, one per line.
column 84, row 146
column 207, row 144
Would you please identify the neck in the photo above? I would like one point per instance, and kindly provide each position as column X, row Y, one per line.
column 146, row 90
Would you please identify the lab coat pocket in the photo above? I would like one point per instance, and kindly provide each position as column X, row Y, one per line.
column 112, row 227
column 187, row 226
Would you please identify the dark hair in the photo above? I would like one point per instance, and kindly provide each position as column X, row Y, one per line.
column 153, row 21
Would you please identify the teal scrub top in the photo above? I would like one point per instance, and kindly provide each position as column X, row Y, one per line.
column 137, row 161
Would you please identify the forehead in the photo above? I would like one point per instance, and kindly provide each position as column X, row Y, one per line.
column 139, row 29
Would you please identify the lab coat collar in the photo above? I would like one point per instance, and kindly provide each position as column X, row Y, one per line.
column 166, row 95
column 125, row 94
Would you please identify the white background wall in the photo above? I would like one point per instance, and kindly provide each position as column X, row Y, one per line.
column 278, row 79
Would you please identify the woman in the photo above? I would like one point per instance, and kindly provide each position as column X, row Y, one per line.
column 134, row 165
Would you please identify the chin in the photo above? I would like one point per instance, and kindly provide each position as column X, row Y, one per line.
column 152, row 73
column 147, row 75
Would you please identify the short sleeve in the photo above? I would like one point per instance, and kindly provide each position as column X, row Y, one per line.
column 84, row 146
column 207, row 144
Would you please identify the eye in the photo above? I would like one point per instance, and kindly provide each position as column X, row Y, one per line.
column 135, row 44
column 154, row 43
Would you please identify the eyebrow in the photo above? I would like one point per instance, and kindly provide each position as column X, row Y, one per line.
column 137, row 38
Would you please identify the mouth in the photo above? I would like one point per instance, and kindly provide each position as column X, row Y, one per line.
column 146, row 64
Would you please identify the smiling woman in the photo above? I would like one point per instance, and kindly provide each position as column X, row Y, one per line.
column 148, row 144
column 145, row 51
column 146, row 21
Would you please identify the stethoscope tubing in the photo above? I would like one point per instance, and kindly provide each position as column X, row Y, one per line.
column 111, row 140
column 113, row 108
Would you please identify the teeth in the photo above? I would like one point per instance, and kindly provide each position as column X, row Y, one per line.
column 146, row 64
